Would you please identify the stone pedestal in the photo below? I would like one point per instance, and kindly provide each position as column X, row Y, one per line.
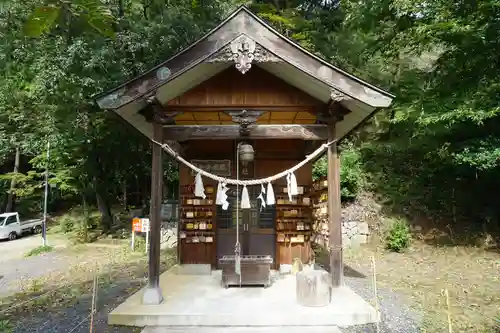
column 152, row 296
column 313, row 288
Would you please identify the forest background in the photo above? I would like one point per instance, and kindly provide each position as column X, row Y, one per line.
column 432, row 157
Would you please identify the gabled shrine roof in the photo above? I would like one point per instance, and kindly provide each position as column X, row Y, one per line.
column 273, row 52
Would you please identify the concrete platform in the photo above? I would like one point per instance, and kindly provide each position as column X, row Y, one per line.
column 271, row 329
column 199, row 301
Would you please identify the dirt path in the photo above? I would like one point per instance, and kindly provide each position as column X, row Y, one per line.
column 16, row 249
column 18, row 274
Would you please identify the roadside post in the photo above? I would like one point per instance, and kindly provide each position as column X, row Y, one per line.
column 44, row 225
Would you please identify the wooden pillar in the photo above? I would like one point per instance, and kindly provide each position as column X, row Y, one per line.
column 334, row 211
column 153, row 294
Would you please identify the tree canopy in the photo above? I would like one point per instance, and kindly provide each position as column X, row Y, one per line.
column 435, row 151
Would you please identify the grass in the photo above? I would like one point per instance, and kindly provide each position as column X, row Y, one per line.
column 424, row 271
column 5, row 326
column 39, row 250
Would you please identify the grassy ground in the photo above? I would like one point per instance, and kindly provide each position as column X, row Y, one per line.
column 471, row 276
column 39, row 250
column 60, row 290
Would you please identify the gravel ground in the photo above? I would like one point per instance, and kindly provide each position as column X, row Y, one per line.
column 13, row 272
column 66, row 321
column 396, row 315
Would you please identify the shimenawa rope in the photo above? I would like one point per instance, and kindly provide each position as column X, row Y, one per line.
column 282, row 174
column 288, row 173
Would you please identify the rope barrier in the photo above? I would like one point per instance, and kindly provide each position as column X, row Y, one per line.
column 80, row 323
column 67, row 284
column 282, row 174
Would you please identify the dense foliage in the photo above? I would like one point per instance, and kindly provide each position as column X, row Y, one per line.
column 47, row 88
column 351, row 172
column 435, row 152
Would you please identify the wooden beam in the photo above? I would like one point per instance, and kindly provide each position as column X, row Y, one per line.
column 169, row 108
column 153, row 113
column 197, row 132
column 334, row 212
column 153, row 294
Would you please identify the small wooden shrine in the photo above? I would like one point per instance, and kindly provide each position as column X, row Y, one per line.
column 244, row 82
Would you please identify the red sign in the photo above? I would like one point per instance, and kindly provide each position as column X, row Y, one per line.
column 137, row 225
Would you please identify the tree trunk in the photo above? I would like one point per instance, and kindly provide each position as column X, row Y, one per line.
column 102, row 205
column 121, row 9
column 13, row 182
column 86, row 218
column 125, row 195
column 391, row 118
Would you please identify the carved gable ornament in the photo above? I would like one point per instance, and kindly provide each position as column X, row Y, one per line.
column 243, row 50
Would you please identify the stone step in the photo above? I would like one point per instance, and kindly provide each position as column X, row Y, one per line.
column 240, row 329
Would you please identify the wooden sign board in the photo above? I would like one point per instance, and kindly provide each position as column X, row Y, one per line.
column 217, row 167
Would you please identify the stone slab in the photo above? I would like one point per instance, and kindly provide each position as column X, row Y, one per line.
column 271, row 329
column 199, row 300
column 359, row 239
column 363, row 228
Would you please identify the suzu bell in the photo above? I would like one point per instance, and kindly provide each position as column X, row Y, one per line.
column 247, row 153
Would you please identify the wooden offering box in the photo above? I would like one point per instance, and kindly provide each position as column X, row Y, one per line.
column 255, row 270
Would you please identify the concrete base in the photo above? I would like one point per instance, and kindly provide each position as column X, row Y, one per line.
column 192, row 269
column 152, row 296
column 272, row 329
column 199, row 301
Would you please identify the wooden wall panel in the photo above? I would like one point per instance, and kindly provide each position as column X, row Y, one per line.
column 199, row 253
column 257, row 87
column 288, row 252
column 224, row 149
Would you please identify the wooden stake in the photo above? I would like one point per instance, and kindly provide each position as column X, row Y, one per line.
column 448, row 310
column 94, row 300
column 375, row 293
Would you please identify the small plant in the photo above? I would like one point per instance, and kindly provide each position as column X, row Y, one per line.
column 5, row 326
column 39, row 250
column 66, row 223
column 140, row 244
column 398, row 236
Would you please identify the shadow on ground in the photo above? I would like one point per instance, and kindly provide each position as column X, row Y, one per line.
column 69, row 309
column 348, row 271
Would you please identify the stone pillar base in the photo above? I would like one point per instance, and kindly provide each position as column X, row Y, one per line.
column 152, row 296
